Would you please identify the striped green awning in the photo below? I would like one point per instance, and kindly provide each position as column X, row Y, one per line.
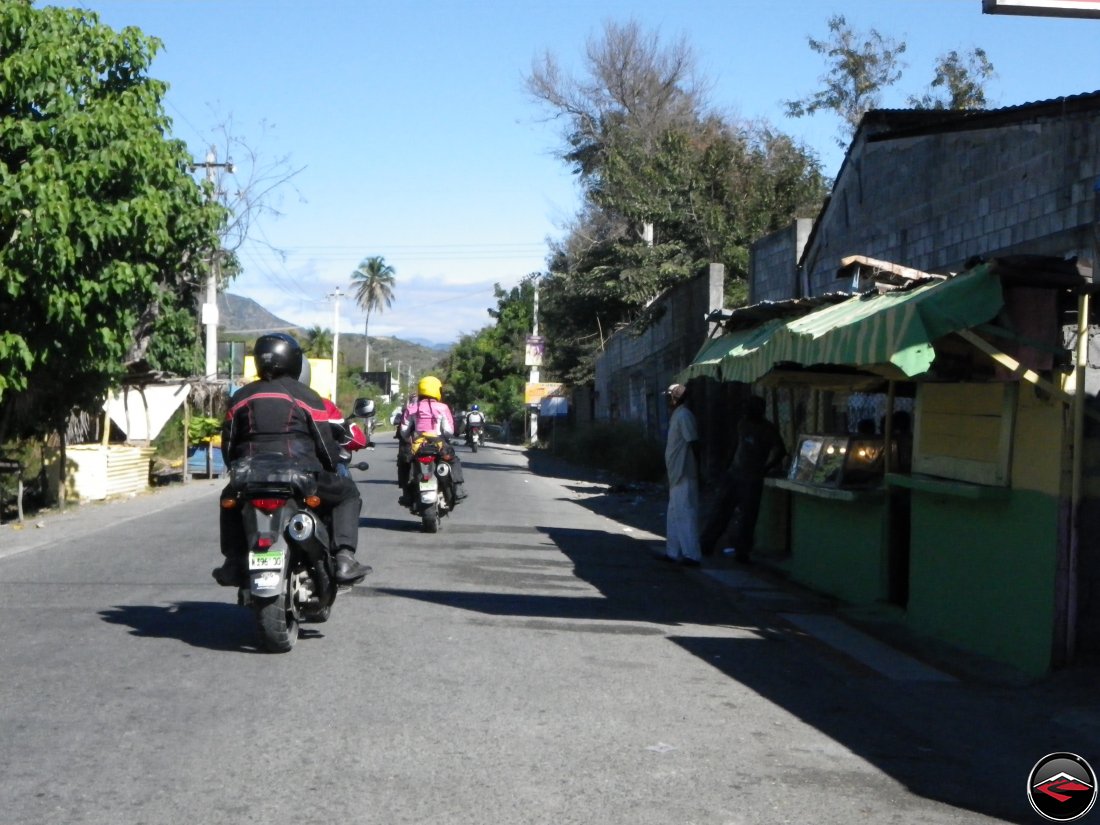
column 895, row 328
column 719, row 352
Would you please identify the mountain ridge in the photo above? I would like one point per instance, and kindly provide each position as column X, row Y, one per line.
column 244, row 318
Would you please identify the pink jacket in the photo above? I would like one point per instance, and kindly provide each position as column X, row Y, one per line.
column 427, row 415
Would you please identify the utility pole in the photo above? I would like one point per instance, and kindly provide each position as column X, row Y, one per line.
column 534, row 377
column 335, row 296
column 210, row 307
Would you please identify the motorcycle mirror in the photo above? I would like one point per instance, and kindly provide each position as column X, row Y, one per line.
column 362, row 465
column 363, row 407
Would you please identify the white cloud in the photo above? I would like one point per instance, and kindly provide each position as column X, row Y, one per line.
column 435, row 299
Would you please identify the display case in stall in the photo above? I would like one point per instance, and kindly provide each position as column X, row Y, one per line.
column 840, row 461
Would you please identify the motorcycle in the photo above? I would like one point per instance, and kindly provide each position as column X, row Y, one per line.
column 431, row 486
column 350, row 436
column 291, row 567
column 473, row 436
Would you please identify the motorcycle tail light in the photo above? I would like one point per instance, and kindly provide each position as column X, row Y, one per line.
column 312, row 501
column 426, row 459
column 268, row 505
column 263, row 542
column 229, row 503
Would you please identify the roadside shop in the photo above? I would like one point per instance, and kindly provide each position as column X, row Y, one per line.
column 943, row 464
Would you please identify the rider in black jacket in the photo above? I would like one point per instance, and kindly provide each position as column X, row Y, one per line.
column 279, row 414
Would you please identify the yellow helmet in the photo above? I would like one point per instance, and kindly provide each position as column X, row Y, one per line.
column 430, row 387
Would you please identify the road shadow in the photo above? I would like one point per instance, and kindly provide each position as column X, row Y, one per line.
column 634, row 586
column 961, row 745
column 395, row 525
column 964, row 744
column 373, row 481
column 208, row 625
column 635, row 504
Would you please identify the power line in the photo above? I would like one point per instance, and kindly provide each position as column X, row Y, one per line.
column 201, row 135
column 375, row 244
column 463, row 252
column 284, row 281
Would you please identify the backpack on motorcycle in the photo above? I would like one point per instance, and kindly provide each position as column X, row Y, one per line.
column 432, row 445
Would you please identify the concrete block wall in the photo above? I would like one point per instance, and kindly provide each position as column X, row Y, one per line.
column 773, row 264
column 933, row 201
column 634, row 370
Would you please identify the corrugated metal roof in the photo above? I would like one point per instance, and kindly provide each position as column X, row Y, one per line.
column 895, row 123
column 755, row 314
column 895, row 328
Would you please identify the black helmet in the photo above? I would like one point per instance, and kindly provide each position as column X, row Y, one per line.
column 277, row 354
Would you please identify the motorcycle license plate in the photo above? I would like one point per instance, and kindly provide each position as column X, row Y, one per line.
column 270, row 560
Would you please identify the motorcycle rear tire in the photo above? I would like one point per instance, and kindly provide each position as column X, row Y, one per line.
column 473, row 445
column 429, row 518
column 276, row 624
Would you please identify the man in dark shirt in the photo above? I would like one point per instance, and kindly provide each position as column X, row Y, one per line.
column 760, row 450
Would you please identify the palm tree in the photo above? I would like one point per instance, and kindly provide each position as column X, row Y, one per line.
column 373, row 284
column 318, row 342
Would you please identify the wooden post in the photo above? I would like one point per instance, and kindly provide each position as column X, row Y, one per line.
column 186, row 435
column 888, row 430
column 61, row 471
column 1077, row 482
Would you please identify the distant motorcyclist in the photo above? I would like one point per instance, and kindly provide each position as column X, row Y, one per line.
column 473, row 418
column 279, row 414
column 428, row 415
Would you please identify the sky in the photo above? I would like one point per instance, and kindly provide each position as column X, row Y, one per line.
column 413, row 138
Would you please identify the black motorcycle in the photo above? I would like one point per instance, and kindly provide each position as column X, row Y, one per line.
column 291, row 567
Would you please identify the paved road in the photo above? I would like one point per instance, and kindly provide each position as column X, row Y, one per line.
column 530, row 664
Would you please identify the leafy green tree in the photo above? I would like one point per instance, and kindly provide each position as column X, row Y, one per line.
column 102, row 229
column 861, row 66
column 959, row 82
column 634, row 86
column 668, row 189
column 373, row 281
column 709, row 193
column 487, row 368
column 174, row 345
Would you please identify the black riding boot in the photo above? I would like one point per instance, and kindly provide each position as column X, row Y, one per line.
column 348, row 568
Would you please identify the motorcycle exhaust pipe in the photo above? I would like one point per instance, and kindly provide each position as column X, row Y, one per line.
column 309, row 533
column 306, row 531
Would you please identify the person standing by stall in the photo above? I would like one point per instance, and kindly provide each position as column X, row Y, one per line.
column 681, row 463
column 760, row 450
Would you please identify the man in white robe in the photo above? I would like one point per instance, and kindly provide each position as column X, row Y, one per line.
column 682, row 527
